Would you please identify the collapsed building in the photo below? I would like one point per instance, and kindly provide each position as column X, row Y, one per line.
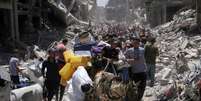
column 162, row 11
column 20, row 18
column 24, row 21
column 179, row 48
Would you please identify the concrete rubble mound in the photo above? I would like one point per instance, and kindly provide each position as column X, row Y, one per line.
column 178, row 65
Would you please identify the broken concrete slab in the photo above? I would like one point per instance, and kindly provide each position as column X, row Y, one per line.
column 30, row 93
column 184, row 44
column 4, row 73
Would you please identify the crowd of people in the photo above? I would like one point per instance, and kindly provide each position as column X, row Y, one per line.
column 133, row 45
column 137, row 47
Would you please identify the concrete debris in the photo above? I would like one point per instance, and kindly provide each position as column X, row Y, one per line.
column 5, row 91
column 4, row 74
column 67, row 12
column 174, row 34
column 180, row 54
column 39, row 53
column 29, row 93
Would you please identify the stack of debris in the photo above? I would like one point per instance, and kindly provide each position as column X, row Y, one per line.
column 175, row 40
column 175, row 37
column 179, row 43
column 72, row 11
column 5, row 83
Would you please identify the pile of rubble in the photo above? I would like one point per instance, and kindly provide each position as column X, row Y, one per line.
column 68, row 12
column 175, row 36
column 178, row 66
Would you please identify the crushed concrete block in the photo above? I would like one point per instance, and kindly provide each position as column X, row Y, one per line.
column 192, row 53
column 163, row 74
column 184, row 44
column 4, row 73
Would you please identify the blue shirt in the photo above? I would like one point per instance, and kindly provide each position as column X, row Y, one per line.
column 138, row 66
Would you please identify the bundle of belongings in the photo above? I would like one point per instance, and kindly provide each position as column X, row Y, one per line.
column 79, row 76
column 83, row 42
column 80, row 56
column 74, row 71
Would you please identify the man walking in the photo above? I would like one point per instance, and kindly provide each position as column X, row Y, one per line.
column 51, row 76
column 60, row 49
column 151, row 52
column 135, row 57
column 14, row 69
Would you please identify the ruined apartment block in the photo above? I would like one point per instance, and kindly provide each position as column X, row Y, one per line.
column 162, row 11
column 20, row 19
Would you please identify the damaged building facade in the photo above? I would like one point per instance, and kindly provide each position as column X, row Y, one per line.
column 24, row 20
column 20, row 19
column 162, row 11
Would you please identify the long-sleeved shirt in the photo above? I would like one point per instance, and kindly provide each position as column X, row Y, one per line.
column 151, row 52
column 138, row 65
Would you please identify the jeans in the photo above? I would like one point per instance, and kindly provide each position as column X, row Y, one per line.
column 151, row 72
column 124, row 74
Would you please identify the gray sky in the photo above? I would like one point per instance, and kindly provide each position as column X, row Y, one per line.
column 102, row 2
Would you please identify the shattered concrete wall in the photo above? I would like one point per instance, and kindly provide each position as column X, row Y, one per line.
column 162, row 11
column 23, row 20
column 73, row 11
column 179, row 47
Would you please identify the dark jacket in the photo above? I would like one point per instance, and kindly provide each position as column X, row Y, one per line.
column 151, row 52
column 52, row 73
column 110, row 53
